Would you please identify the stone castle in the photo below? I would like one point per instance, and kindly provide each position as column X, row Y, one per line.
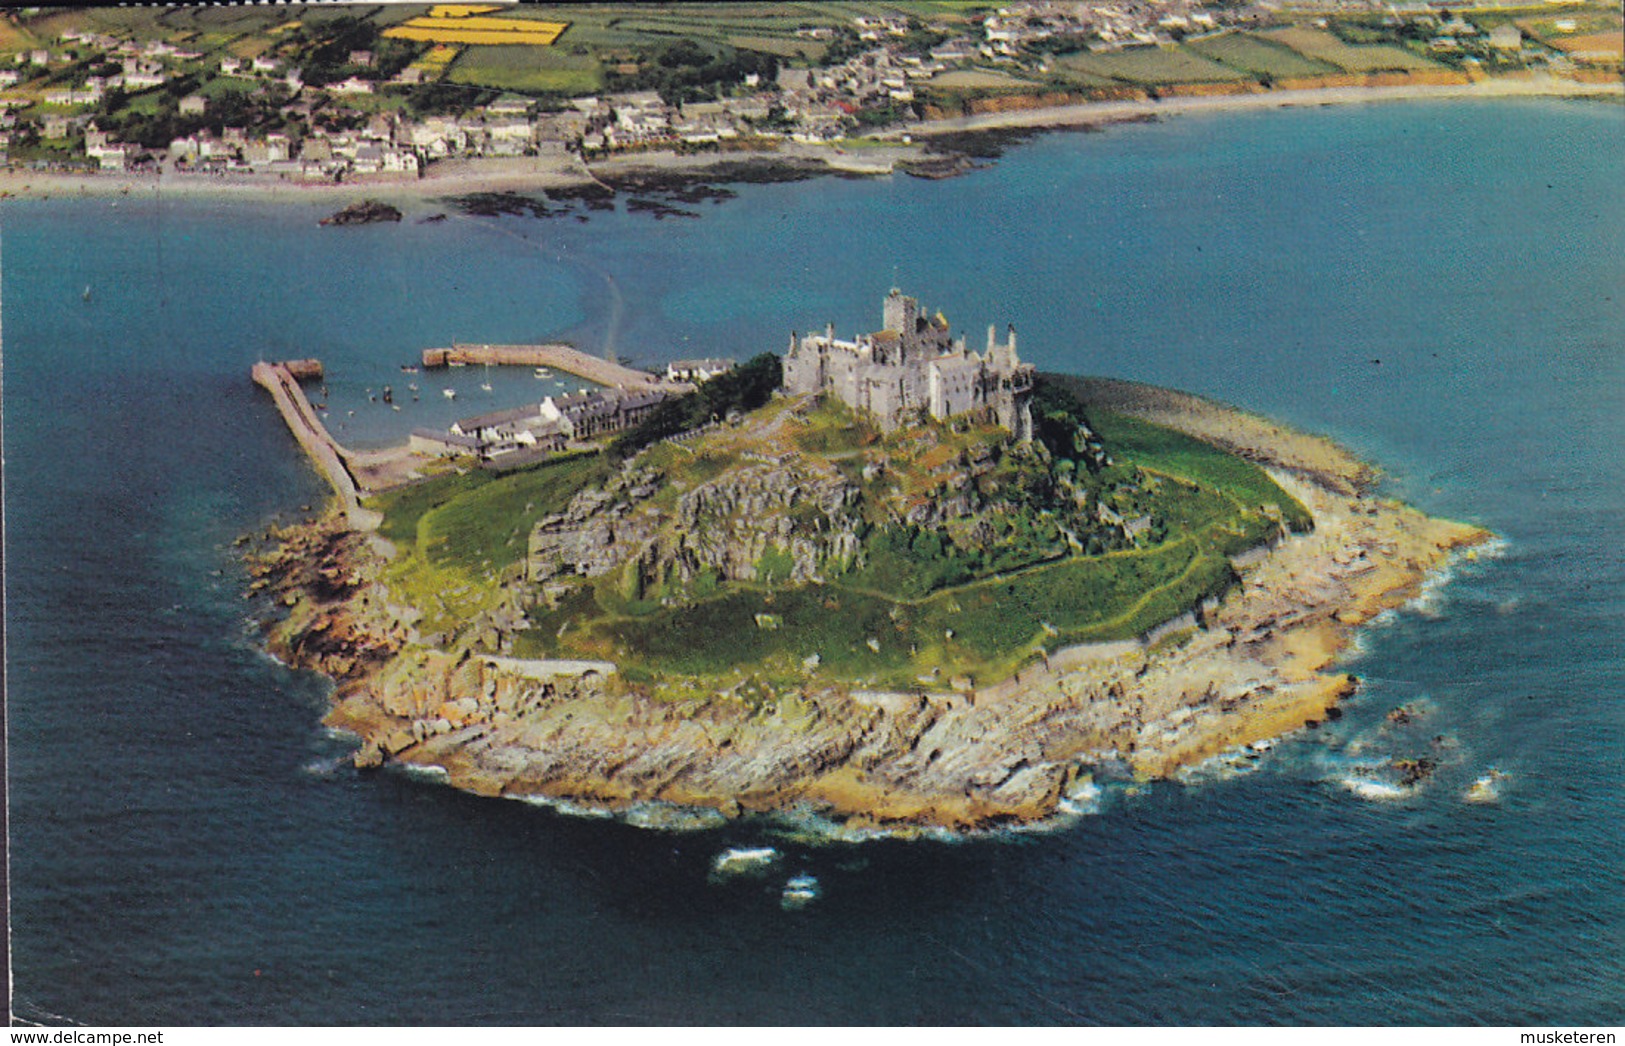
column 912, row 365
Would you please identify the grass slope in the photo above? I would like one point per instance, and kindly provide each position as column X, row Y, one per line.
column 462, row 537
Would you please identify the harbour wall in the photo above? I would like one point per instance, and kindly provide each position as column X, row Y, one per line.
column 561, row 357
column 307, row 428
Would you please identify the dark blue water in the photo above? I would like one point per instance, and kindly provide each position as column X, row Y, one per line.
column 189, row 847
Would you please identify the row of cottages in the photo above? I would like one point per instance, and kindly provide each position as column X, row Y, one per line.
column 545, row 427
column 599, row 412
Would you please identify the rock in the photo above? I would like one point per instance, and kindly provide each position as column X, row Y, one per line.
column 364, row 213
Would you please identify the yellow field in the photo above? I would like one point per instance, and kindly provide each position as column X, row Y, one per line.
column 462, row 10
column 440, row 54
column 472, row 28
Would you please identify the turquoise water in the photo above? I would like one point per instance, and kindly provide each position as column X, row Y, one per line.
column 189, row 846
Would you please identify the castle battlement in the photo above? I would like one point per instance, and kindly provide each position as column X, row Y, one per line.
column 913, row 364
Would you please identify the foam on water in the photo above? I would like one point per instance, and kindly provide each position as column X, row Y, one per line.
column 744, row 860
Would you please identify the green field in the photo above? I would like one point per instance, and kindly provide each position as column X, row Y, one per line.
column 1321, row 45
column 1258, row 57
column 1150, row 66
column 523, row 68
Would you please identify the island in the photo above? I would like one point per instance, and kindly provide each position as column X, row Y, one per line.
column 885, row 584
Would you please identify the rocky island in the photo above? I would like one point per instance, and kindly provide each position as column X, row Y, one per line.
column 366, row 212
column 888, row 583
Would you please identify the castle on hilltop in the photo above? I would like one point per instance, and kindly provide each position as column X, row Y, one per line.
column 913, row 364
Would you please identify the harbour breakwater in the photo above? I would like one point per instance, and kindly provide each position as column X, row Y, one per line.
column 558, row 356
column 281, row 380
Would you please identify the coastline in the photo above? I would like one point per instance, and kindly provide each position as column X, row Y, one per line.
column 1253, row 667
column 909, row 145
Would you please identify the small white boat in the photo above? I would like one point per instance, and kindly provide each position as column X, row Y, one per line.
column 450, row 394
column 543, row 372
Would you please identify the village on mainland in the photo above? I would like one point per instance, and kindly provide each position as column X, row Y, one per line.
column 318, row 94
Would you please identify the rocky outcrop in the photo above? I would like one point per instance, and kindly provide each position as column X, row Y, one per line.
column 364, row 213
column 727, row 526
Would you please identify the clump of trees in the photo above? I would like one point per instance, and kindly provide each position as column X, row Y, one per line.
column 742, row 389
column 683, row 71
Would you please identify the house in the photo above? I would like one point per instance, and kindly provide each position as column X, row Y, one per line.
column 697, row 370
column 193, row 105
column 351, row 85
column 441, row 444
column 113, row 156
column 509, row 105
column 363, row 59
column 231, row 66
column 265, row 64
column 400, row 161
column 58, row 126
column 1506, row 38
column 261, row 152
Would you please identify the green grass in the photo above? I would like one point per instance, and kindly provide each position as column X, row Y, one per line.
column 783, row 46
column 528, row 69
column 1175, row 454
column 404, row 506
column 1150, row 66
column 486, row 529
column 1258, row 57
column 1321, row 45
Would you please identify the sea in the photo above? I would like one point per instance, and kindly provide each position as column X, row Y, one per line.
column 1439, row 286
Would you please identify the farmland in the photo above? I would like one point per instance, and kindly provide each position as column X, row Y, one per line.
column 1258, row 57
column 1325, row 47
column 528, row 69
column 1150, row 66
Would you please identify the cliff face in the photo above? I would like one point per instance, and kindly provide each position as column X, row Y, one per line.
column 725, row 526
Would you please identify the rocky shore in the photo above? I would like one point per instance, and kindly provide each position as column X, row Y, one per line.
column 1255, row 665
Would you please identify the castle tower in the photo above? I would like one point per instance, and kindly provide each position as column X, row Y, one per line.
column 902, row 314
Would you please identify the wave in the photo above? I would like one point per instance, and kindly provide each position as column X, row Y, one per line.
column 744, row 860
column 799, row 892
